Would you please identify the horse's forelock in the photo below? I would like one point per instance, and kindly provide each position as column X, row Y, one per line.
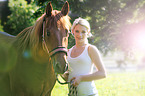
column 63, row 21
column 58, row 20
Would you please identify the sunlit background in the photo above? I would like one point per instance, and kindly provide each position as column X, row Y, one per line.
column 118, row 28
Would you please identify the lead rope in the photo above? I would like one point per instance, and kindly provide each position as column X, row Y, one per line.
column 72, row 90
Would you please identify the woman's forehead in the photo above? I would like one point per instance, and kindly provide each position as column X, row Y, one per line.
column 80, row 27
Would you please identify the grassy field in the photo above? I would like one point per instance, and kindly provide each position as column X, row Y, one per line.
column 116, row 84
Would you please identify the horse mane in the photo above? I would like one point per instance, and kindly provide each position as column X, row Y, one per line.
column 31, row 37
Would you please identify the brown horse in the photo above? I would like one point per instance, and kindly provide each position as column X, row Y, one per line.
column 30, row 61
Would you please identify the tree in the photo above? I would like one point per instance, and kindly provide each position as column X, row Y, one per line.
column 20, row 17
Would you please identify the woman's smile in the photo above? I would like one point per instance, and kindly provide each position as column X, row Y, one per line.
column 79, row 38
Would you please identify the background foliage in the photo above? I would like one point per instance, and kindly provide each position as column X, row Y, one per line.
column 20, row 17
column 109, row 19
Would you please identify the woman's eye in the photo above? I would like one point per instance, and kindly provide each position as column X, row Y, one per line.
column 83, row 31
column 48, row 33
column 77, row 31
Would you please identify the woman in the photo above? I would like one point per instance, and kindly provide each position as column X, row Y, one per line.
column 81, row 58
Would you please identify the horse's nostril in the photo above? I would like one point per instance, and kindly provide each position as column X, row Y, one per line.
column 58, row 68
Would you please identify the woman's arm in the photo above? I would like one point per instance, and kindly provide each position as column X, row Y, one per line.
column 97, row 61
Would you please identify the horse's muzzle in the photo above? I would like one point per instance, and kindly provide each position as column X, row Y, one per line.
column 59, row 70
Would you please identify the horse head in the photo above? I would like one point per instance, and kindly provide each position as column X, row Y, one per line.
column 55, row 32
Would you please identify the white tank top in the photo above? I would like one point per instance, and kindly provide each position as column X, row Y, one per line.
column 81, row 65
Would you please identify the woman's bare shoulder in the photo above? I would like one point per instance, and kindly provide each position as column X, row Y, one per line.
column 92, row 48
column 93, row 51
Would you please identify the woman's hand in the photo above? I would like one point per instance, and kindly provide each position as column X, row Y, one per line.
column 76, row 80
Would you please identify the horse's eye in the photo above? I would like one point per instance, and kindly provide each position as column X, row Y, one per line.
column 48, row 33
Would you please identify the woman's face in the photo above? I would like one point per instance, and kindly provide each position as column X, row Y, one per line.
column 80, row 33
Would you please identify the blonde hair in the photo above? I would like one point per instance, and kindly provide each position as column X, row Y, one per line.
column 82, row 22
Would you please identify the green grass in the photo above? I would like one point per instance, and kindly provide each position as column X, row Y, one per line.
column 116, row 84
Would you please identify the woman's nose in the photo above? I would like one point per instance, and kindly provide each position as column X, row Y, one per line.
column 80, row 34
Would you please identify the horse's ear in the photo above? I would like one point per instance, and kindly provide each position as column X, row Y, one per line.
column 65, row 9
column 49, row 9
